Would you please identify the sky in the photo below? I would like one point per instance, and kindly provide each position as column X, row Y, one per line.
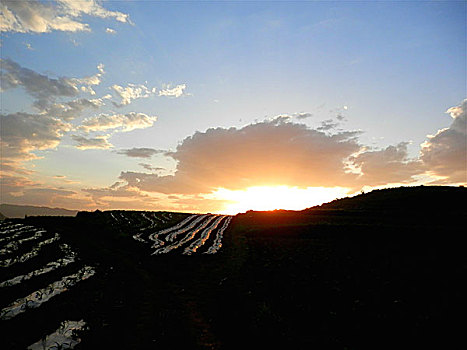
column 226, row 106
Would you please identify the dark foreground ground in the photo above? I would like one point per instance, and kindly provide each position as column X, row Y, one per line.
column 385, row 270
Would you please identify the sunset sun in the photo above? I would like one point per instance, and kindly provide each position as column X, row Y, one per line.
column 276, row 197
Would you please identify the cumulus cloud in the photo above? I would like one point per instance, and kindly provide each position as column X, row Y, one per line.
column 267, row 153
column 125, row 122
column 110, row 31
column 177, row 91
column 98, row 142
column 131, row 92
column 23, row 133
column 445, row 153
column 44, row 17
column 139, row 152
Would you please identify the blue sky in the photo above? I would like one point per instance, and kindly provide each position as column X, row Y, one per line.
column 389, row 70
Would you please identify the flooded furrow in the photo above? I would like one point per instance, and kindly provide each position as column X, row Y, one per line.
column 193, row 247
column 34, row 252
column 63, row 338
column 187, row 238
column 69, row 258
column 37, row 298
column 218, row 240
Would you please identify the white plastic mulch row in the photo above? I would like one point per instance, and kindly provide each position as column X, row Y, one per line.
column 218, row 240
column 32, row 253
column 63, row 338
column 37, row 298
column 173, row 230
column 53, row 265
column 9, row 235
column 14, row 245
column 193, row 247
column 191, row 234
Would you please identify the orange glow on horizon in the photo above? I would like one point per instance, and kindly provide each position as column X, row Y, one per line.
column 276, row 197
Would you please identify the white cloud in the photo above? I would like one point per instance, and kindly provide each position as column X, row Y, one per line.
column 177, row 91
column 131, row 92
column 44, row 17
column 125, row 122
column 110, row 31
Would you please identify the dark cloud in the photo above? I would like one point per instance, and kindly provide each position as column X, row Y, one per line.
column 301, row 116
column 37, row 85
column 98, row 142
column 140, row 152
column 150, row 167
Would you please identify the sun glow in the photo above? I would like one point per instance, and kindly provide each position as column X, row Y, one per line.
column 276, row 197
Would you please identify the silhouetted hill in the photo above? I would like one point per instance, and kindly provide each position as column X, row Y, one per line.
column 404, row 199
column 19, row 211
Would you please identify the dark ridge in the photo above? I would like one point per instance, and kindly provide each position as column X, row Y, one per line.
column 419, row 198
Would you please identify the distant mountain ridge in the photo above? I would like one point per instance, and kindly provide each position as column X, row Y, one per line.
column 19, row 211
